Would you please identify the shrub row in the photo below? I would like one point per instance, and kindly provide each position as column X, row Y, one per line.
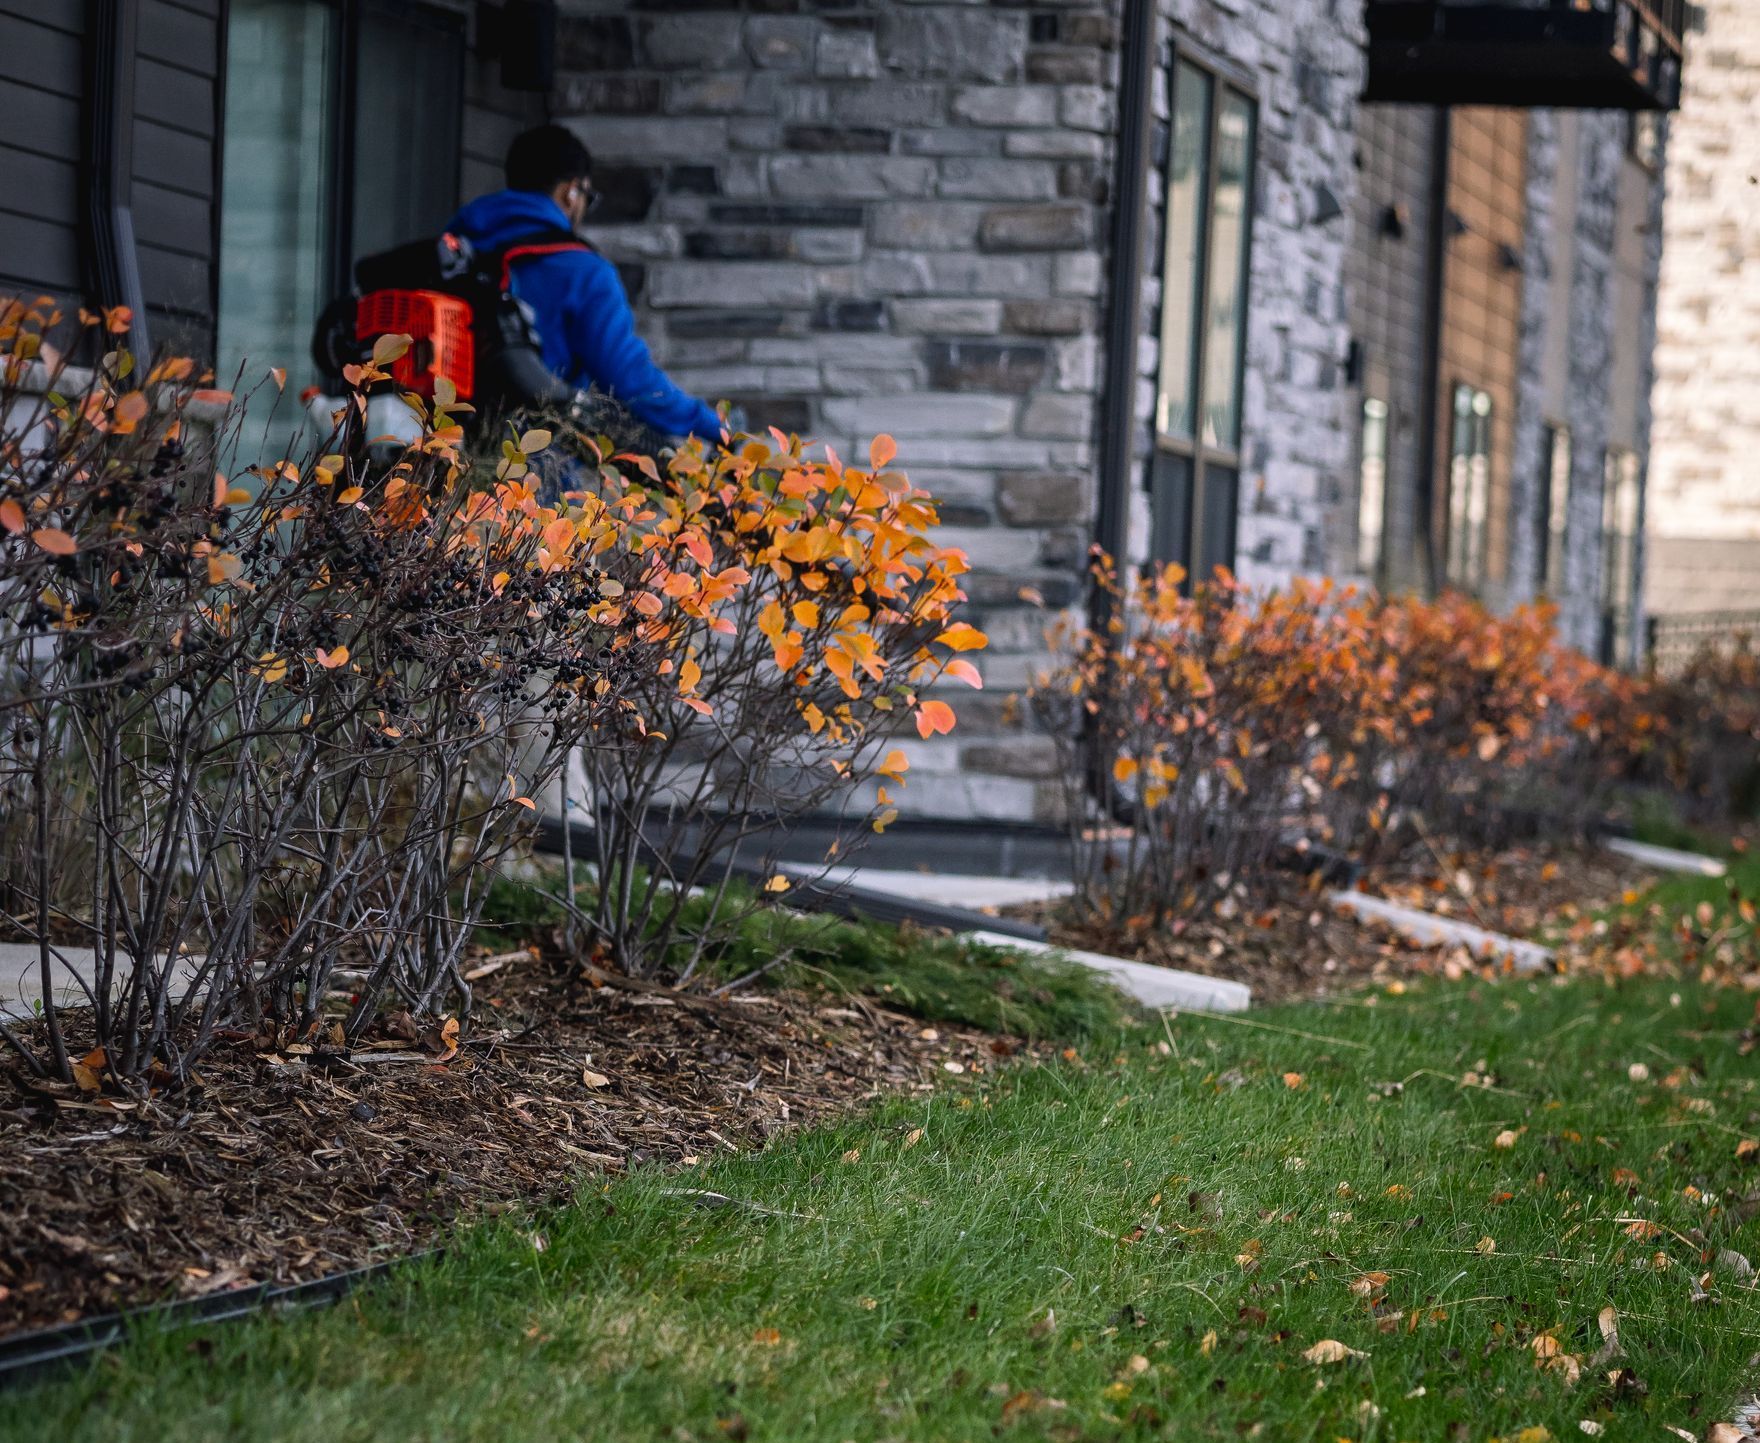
column 266, row 738
column 1205, row 731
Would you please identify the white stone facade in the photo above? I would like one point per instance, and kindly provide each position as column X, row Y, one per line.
column 1704, row 515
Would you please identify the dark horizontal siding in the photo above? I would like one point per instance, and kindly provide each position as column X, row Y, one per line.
column 65, row 15
column 177, row 36
column 38, row 254
column 40, row 121
column 178, row 222
column 173, row 96
column 174, row 159
column 38, row 185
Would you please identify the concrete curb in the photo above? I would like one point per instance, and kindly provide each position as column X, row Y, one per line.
column 1666, row 859
column 1150, row 985
column 1429, row 930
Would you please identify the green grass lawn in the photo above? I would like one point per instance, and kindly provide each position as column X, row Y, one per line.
column 1139, row 1240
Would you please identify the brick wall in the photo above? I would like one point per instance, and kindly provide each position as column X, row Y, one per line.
column 1704, row 518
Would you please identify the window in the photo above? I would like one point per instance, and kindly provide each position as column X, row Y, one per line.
column 1372, row 486
column 1555, row 507
column 275, row 213
column 1621, row 498
column 1195, row 476
column 340, row 137
column 1469, row 487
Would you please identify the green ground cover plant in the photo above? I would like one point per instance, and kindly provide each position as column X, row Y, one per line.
column 1462, row 1212
column 931, row 975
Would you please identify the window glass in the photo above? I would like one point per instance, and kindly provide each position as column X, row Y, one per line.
column 1225, row 320
column 1555, row 507
column 1371, row 486
column 1469, row 486
column 1216, row 522
column 1619, row 540
column 1170, row 504
column 1187, row 165
column 275, row 178
column 406, row 133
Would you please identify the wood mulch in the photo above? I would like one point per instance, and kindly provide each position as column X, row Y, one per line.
column 282, row 1164
column 1292, row 944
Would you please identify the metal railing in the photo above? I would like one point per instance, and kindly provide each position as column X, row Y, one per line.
column 1669, row 641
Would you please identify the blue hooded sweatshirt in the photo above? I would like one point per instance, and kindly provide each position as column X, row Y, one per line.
column 584, row 320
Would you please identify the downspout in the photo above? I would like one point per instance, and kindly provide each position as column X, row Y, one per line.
column 1124, row 304
column 1428, row 437
column 1118, row 425
column 113, row 272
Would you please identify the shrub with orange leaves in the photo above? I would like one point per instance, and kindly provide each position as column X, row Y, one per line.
column 805, row 612
column 1709, row 714
column 250, row 726
column 1207, row 730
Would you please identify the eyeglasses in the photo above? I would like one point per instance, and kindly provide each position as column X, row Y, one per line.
column 594, row 197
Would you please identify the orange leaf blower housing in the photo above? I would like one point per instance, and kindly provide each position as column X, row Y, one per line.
column 439, row 328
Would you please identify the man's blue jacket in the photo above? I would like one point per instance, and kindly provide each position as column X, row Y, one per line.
column 587, row 328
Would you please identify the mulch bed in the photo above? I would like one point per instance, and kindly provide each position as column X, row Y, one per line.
column 1295, row 945
column 284, row 1165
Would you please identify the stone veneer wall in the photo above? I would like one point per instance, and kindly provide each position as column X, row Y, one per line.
column 1704, row 512
column 1303, row 59
column 879, row 216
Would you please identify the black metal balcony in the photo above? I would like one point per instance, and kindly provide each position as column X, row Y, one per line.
column 1589, row 54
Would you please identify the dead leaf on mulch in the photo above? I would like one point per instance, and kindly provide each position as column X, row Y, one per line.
column 283, row 1167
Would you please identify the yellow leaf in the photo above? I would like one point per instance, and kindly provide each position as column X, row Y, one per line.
column 1330, row 1350
column 1124, row 768
column 806, row 613
column 348, row 495
column 389, row 348
column 1207, row 1344
column 895, row 765
column 1486, row 1246
column 222, row 567
column 963, row 637
column 1506, row 1139
column 778, row 883
column 533, row 441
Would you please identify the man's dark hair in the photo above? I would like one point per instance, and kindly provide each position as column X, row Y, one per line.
column 545, row 156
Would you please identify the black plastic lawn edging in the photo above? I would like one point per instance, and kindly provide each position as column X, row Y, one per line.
column 31, row 1357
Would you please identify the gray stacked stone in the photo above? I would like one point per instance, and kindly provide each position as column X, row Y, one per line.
column 883, row 217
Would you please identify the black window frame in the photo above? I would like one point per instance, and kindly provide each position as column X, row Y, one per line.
column 1185, row 529
column 344, row 99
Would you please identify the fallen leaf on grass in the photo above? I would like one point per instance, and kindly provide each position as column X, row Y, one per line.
column 1368, row 1284
column 1292, row 1079
column 1207, row 1344
column 769, row 1337
column 1746, row 1148
column 1486, row 1246
column 1330, row 1350
column 1508, row 1138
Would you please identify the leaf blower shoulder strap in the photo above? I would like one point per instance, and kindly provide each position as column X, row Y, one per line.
column 553, row 241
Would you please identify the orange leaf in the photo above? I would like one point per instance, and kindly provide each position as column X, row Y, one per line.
column 881, row 450
column 11, row 515
column 963, row 637
column 55, row 541
column 933, row 717
column 330, row 660
column 962, row 670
